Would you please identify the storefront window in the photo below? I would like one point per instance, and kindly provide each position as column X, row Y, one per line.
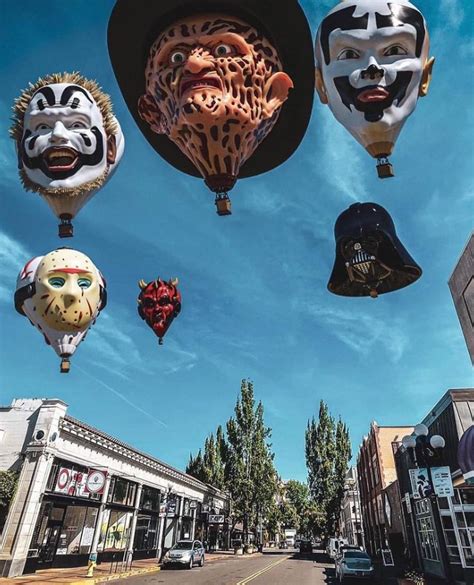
column 146, row 532
column 427, row 539
column 118, row 530
column 122, row 492
column 150, row 499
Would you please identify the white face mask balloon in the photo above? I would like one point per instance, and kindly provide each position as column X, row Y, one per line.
column 68, row 141
column 372, row 65
column 62, row 294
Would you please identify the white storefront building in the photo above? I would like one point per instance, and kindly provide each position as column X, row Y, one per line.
column 82, row 493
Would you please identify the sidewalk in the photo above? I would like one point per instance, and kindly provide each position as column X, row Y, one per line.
column 102, row 573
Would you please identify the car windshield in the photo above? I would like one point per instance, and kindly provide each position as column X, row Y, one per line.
column 356, row 554
column 183, row 545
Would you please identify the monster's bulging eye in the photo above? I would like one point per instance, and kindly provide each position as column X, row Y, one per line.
column 177, row 57
column 394, row 50
column 348, row 54
column 84, row 282
column 56, row 281
column 223, row 50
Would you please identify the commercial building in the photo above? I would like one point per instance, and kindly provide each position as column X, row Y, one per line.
column 441, row 528
column 82, row 493
column 461, row 285
column 376, row 471
column 350, row 523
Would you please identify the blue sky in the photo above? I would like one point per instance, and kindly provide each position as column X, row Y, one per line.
column 255, row 303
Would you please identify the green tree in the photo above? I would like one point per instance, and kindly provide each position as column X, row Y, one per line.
column 8, row 483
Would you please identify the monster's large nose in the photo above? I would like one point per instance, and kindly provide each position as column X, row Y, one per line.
column 59, row 133
column 373, row 71
column 196, row 63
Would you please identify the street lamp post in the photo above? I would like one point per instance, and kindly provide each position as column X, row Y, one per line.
column 426, row 452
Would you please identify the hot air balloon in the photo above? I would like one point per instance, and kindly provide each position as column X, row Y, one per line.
column 208, row 81
column 61, row 293
column 372, row 65
column 370, row 259
column 159, row 302
column 68, row 142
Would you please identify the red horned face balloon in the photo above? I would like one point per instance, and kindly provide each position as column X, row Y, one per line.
column 159, row 302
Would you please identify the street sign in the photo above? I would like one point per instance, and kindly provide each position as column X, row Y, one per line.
column 216, row 518
column 420, row 483
column 408, row 502
column 193, row 504
column 171, row 508
column 442, row 483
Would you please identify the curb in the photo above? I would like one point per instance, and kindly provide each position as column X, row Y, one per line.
column 115, row 577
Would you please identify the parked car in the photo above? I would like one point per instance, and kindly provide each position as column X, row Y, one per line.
column 186, row 553
column 354, row 564
column 345, row 547
column 333, row 546
column 306, row 546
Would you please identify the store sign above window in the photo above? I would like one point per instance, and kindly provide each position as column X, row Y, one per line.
column 216, row 519
column 95, row 481
column 79, row 483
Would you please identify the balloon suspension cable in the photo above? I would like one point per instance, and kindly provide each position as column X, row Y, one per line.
column 65, row 228
column 65, row 365
column 160, row 341
column 384, row 167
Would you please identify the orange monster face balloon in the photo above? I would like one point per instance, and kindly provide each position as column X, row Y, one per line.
column 214, row 86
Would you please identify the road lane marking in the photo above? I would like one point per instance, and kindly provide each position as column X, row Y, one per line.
column 264, row 570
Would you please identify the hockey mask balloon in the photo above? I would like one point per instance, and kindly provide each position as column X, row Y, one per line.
column 214, row 86
column 159, row 302
column 62, row 294
column 68, row 140
column 370, row 259
column 372, row 65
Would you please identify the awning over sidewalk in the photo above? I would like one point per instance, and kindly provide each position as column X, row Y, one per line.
column 466, row 455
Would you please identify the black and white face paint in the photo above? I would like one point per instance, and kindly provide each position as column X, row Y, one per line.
column 64, row 143
column 371, row 56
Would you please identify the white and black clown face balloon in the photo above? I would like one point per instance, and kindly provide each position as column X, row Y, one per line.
column 372, row 65
column 68, row 143
column 61, row 293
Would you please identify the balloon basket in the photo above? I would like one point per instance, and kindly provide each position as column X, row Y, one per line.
column 160, row 341
column 65, row 228
column 373, row 293
column 384, row 168
column 65, row 366
column 223, row 204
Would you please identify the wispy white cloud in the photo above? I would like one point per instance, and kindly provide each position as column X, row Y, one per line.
column 13, row 256
column 362, row 331
column 179, row 359
column 452, row 12
column 122, row 397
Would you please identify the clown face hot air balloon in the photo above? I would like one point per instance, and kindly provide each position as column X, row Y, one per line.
column 61, row 293
column 212, row 95
column 372, row 65
column 159, row 302
column 68, row 142
column 370, row 259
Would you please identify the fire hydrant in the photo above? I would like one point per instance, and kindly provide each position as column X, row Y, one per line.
column 92, row 564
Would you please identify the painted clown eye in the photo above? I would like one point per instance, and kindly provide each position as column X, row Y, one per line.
column 177, row 57
column 77, row 125
column 84, row 282
column 223, row 50
column 394, row 50
column 56, row 281
column 348, row 54
column 43, row 127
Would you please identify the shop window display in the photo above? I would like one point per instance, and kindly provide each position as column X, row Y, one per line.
column 146, row 532
column 115, row 530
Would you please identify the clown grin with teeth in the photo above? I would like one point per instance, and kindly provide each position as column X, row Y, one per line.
column 214, row 86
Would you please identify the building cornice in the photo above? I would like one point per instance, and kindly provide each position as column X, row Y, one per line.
column 83, row 431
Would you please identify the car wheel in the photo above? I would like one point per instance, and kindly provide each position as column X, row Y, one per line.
column 190, row 566
column 201, row 562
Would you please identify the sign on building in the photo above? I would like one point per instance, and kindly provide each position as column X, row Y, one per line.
column 442, row 483
column 216, row 519
column 408, row 502
column 95, row 481
column 71, row 483
column 171, row 508
column 420, row 483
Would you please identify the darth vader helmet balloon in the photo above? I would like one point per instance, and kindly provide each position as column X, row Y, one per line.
column 62, row 294
column 372, row 65
column 370, row 259
column 68, row 142
column 208, row 82
column 159, row 302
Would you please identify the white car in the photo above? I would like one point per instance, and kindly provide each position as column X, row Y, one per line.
column 354, row 564
column 186, row 553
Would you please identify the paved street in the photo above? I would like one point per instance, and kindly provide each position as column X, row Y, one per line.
column 273, row 568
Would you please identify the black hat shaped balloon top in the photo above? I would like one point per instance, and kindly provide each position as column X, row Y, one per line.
column 176, row 92
column 370, row 259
